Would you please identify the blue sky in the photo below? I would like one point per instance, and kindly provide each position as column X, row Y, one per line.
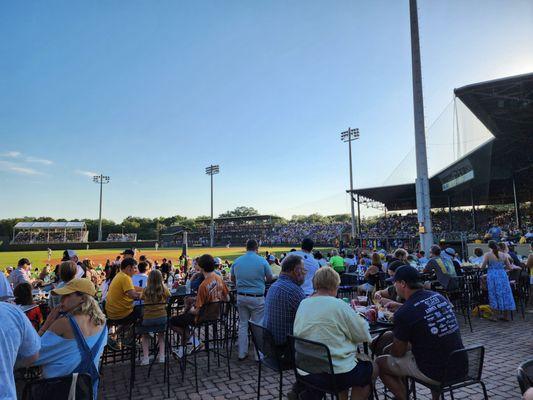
column 151, row 93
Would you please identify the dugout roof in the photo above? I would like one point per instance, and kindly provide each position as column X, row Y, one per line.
column 505, row 107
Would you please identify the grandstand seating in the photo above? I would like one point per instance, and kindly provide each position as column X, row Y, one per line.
column 396, row 228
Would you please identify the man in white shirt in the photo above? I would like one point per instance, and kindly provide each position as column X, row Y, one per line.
column 22, row 273
column 311, row 265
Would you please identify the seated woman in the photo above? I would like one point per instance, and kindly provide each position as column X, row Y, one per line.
column 66, row 272
column 326, row 319
column 24, row 297
column 155, row 316
column 371, row 275
column 72, row 331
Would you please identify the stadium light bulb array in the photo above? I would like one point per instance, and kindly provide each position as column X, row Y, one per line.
column 101, row 179
column 350, row 134
column 212, row 170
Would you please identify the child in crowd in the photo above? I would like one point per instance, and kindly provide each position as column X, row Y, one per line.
column 155, row 296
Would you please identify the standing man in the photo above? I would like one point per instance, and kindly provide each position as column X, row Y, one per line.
column 311, row 265
column 250, row 272
column 336, row 262
column 49, row 250
column 276, row 269
column 5, row 287
column 495, row 232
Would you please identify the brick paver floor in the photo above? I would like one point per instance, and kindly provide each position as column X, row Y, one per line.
column 506, row 345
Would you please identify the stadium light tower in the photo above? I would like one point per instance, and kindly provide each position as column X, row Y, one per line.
column 102, row 180
column 212, row 170
column 422, row 181
column 349, row 136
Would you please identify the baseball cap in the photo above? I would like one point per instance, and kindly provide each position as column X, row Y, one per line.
column 406, row 273
column 82, row 285
column 271, row 257
column 218, row 261
column 450, row 251
column 128, row 252
column 68, row 254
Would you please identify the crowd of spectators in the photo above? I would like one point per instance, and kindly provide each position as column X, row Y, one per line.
column 396, row 228
column 303, row 300
column 121, row 237
column 60, row 236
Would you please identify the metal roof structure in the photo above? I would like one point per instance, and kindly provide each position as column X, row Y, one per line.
column 491, row 173
column 240, row 219
column 51, row 225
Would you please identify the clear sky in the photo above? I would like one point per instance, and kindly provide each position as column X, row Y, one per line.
column 152, row 92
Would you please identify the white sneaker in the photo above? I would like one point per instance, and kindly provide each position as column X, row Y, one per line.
column 145, row 360
column 178, row 353
column 161, row 358
column 194, row 341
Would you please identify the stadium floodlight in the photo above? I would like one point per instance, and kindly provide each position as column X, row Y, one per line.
column 349, row 136
column 212, row 170
column 101, row 180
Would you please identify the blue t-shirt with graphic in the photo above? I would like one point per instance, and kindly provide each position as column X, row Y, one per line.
column 426, row 320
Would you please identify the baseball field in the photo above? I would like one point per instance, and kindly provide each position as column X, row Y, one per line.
column 40, row 258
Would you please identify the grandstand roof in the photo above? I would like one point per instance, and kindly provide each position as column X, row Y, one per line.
column 248, row 218
column 50, row 225
column 505, row 107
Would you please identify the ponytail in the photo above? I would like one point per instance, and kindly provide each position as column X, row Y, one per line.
column 494, row 247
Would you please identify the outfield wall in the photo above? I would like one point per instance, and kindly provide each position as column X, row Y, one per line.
column 80, row 246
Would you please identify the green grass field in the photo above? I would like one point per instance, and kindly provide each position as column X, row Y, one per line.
column 39, row 258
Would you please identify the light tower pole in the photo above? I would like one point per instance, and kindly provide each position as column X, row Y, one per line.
column 102, row 180
column 349, row 136
column 212, row 170
column 423, row 204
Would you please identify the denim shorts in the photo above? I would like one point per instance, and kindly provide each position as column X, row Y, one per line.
column 153, row 325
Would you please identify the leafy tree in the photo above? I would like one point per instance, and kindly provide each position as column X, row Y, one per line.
column 241, row 211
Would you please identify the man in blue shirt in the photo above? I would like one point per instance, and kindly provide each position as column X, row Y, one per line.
column 283, row 299
column 311, row 265
column 495, row 232
column 19, row 342
column 250, row 272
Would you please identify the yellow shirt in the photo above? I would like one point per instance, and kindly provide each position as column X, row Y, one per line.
column 156, row 311
column 118, row 305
